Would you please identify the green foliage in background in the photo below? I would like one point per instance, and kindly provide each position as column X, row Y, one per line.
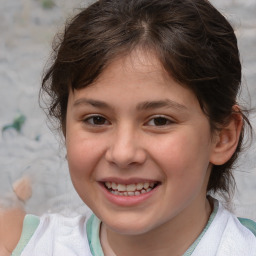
column 16, row 124
column 48, row 4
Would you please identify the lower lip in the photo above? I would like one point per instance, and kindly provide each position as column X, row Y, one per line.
column 127, row 200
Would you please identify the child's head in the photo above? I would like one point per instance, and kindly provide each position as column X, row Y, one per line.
column 192, row 41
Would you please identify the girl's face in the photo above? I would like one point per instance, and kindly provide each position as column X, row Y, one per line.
column 138, row 147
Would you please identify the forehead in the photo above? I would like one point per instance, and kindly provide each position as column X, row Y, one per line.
column 138, row 75
column 139, row 62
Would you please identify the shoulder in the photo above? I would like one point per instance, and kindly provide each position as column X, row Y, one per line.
column 249, row 224
column 228, row 235
column 11, row 223
column 247, row 227
column 39, row 234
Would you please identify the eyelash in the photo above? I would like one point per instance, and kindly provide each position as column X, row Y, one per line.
column 164, row 121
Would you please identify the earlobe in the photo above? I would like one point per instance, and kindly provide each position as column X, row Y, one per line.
column 227, row 139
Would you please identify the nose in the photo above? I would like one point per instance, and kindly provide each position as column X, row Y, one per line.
column 125, row 148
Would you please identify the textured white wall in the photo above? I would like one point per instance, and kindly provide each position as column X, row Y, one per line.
column 26, row 30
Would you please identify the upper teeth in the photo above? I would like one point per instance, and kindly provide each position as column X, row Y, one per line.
column 129, row 187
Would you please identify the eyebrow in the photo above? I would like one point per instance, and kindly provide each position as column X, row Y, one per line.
column 146, row 105
column 167, row 103
column 94, row 103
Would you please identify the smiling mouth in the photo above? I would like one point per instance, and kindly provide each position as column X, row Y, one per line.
column 130, row 189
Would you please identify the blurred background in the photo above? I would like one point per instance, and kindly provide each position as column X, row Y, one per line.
column 27, row 146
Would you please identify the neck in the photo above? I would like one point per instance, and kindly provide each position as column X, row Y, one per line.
column 169, row 239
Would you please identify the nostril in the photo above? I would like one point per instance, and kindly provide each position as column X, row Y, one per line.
column 125, row 157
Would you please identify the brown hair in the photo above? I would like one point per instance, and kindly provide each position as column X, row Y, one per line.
column 194, row 42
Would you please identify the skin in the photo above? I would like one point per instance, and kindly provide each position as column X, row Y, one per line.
column 11, row 221
column 125, row 143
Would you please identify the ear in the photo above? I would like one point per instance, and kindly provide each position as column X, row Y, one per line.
column 227, row 138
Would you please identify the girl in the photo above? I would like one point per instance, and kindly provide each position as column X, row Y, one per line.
column 145, row 92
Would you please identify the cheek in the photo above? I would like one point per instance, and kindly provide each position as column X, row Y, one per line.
column 82, row 156
column 185, row 155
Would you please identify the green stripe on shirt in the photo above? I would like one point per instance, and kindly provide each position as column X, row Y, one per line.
column 250, row 224
column 93, row 234
column 30, row 225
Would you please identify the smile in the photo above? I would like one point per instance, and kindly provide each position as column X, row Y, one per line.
column 130, row 189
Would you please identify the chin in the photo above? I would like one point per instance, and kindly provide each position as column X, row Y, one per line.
column 123, row 227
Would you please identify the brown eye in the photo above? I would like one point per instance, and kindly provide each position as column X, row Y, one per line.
column 96, row 120
column 159, row 121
